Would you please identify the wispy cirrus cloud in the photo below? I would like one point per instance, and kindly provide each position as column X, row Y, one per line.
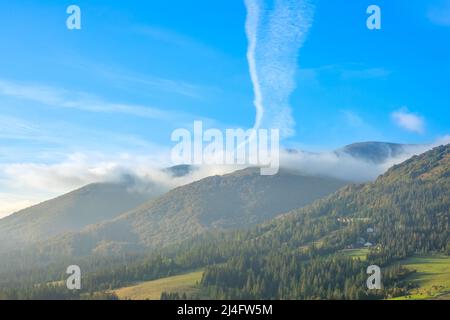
column 346, row 72
column 439, row 14
column 60, row 98
column 126, row 79
column 365, row 73
column 275, row 36
column 353, row 119
column 48, row 141
column 18, row 129
column 409, row 121
column 176, row 39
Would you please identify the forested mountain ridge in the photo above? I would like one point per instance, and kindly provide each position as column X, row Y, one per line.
column 102, row 202
column 297, row 256
column 73, row 211
column 234, row 201
column 375, row 152
column 302, row 254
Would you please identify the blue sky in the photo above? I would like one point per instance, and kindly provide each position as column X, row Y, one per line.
column 138, row 70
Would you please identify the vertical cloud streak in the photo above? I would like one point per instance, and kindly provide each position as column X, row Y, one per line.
column 275, row 33
column 251, row 28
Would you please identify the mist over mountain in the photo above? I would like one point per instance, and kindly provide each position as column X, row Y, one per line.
column 359, row 162
column 135, row 211
column 230, row 202
column 375, row 152
column 73, row 211
column 407, row 209
column 302, row 255
column 180, row 170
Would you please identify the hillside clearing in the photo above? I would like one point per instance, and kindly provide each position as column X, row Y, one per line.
column 152, row 290
column 356, row 253
column 432, row 277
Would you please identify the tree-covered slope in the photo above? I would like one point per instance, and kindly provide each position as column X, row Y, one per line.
column 230, row 202
column 304, row 254
column 72, row 212
column 405, row 212
column 375, row 152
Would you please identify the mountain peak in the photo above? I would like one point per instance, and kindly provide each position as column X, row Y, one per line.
column 373, row 151
column 432, row 165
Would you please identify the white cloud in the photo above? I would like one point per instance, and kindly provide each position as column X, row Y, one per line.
column 409, row 121
column 343, row 72
column 60, row 98
column 369, row 73
column 353, row 119
column 127, row 80
column 25, row 184
column 440, row 14
column 10, row 203
column 176, row 39
column 349, row 168
column 75, row 170
column 275, row 36
column 16, row 128
column 332, row 165
column 28, row 183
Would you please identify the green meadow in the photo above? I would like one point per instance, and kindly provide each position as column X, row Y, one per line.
column 356, row 253
column 152, row 290
column 432, row 277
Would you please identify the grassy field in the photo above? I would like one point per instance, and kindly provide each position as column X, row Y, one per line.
column 432, row 277
column 151, row 290
column 356, row 253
